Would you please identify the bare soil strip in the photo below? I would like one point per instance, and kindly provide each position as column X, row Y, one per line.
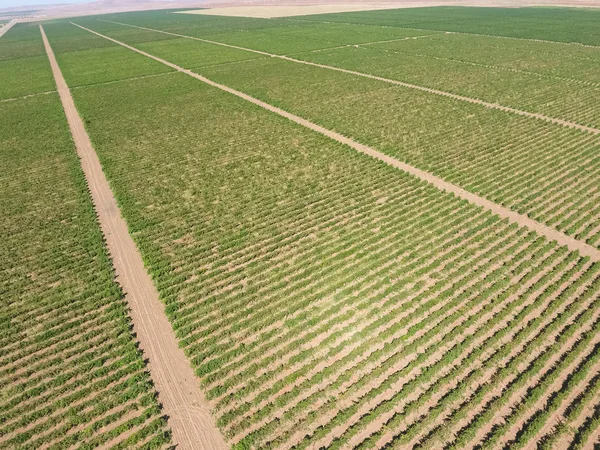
column 7, row 27
column 178, row 388
column 550, row 233
column 387, row 80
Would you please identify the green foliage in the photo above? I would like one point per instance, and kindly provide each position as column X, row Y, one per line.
column 323, row 298
column 309, row 285
column 71, row 372
column 554, row 24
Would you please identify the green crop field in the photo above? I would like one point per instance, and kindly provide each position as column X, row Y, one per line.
column 71, row 374
column 323, row 298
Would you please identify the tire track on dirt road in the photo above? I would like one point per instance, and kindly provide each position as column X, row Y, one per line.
column 385, row 80
column 178, row 388
column 520, row 219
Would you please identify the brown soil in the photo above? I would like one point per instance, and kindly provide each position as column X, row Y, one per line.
column 558, row 416
column 486, row 377
column 178, row 388
column 520, row 219
column 513, row 401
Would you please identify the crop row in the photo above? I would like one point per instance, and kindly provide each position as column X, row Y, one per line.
column 24, row 68
column 71, row 373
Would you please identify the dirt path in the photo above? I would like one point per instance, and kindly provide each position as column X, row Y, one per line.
column 550, row 233
column 7, row 27
column 386, row 80
column 178, row 388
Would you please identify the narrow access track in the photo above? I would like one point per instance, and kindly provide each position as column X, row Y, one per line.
column 7, row 27
column 507, row 109
column 178, row 388
column 543, row 230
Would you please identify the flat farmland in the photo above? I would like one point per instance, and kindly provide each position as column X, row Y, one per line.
column 563, row 84
column 71, row 373
column 24, row 67
column 345, row 261
column 531, row 166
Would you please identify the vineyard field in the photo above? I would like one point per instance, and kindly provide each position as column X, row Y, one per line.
column 339, row 261
column 22, row 42
column 566, row 25
column 574, row 63
column 554, row 181
column 24, row 68
column 569, row 99
column 93, row 61
column 70, row 369
column 287, row 242
column 492, row 71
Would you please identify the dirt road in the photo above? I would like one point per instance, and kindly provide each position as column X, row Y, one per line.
column 178, row 388
column 7, row 27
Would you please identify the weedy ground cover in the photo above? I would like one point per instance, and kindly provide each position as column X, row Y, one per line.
column 71, row 373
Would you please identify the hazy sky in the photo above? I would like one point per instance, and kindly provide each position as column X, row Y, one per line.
column 11, row 3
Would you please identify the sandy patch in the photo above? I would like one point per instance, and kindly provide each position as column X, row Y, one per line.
column 252, row 9
column 7, row 26
column 247, row 7
column 268, row 12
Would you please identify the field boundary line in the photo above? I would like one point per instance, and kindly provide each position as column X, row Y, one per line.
column 321, row 50
column 520, row 219
column 178, row 388
column 13, row 99
column 104, row 83
column 386, row 41
column 463, row 98
column 485, row 66
column 7, row 27
column 496, row 36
